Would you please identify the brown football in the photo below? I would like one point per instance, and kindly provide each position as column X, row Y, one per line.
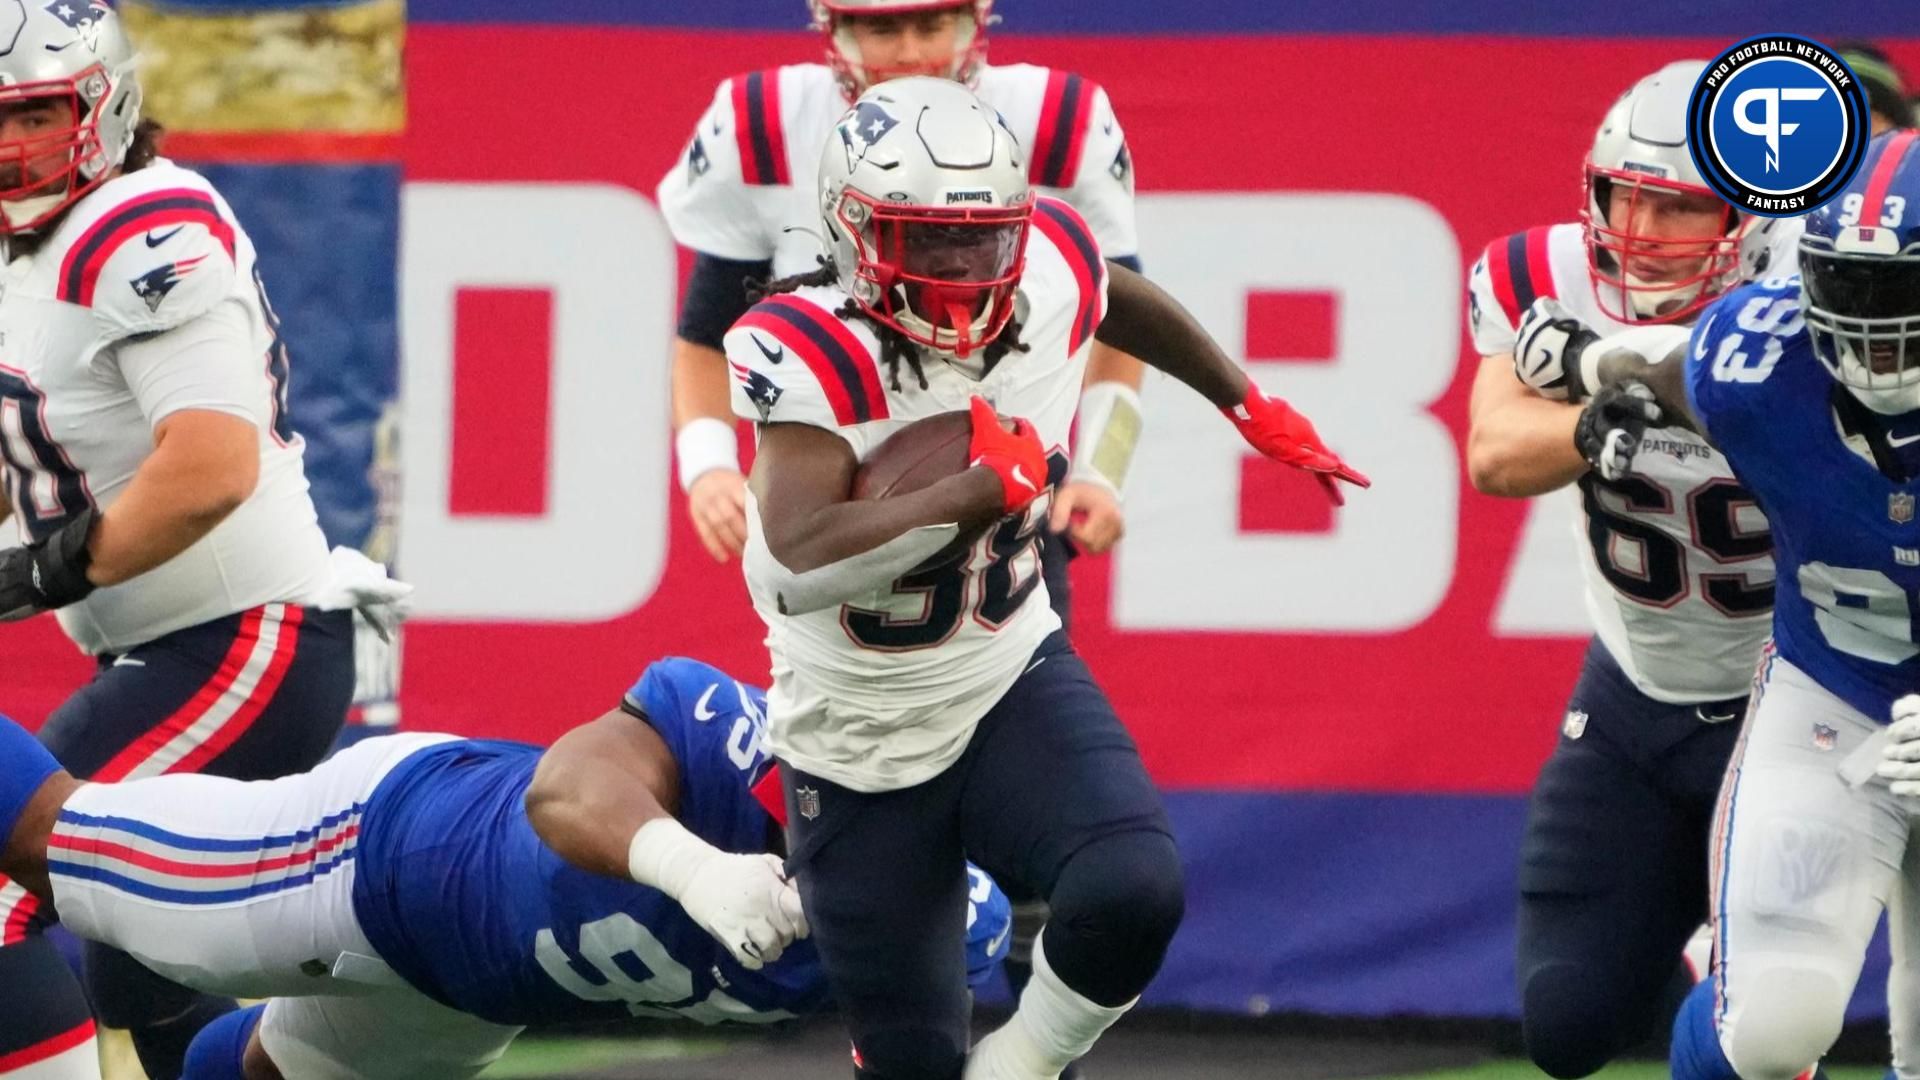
column 917, row 456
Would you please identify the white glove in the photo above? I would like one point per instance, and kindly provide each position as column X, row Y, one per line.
column 744, row 901
column 1900, row 757
column 1547, row 346
column 358, row 583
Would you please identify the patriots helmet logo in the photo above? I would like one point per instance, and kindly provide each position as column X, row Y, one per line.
column 762, row 391
column 78, row 14
column 867, row 124
column 154, row 285
column 697, row 160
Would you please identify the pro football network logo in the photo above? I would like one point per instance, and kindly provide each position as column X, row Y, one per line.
column 1777, row 125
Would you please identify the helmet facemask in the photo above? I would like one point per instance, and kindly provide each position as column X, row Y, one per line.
column 834, row 19
column 1863, row 314
column 1641, row 276
column 32, row 192
column 944, row 278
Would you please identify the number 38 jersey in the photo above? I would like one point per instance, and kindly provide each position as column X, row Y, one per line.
column 152, row 255
column 1677, row 560
column 1847, row 536
column 884, row 692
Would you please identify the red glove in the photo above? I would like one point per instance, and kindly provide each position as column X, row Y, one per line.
column 1272, row 427
column 1016, row 456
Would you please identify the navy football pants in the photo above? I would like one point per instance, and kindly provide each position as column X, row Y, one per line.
column 1613, row 868
column 1049, row 797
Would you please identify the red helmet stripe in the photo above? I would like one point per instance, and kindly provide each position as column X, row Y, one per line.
column 1882, row 175
column 1068, row 232
column 758, row 131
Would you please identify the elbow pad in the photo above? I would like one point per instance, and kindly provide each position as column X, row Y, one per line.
column 849, row 579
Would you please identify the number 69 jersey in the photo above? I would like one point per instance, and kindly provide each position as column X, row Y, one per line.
column 884, row 692
column 1677, row 560
column 1846, row 536
column 153, row 252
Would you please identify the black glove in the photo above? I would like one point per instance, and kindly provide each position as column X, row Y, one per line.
column 1611, row 426
column 47, row 575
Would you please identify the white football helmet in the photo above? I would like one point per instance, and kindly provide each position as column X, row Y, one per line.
column 925, row 201
column 73, row 51
column 1642, row 143
column 843, row 53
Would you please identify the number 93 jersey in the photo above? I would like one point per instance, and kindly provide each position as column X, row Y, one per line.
column 1846, row 536
column 1677, row 560
column 884, row 692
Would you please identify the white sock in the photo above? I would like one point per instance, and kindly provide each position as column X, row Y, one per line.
column 1053, row 1028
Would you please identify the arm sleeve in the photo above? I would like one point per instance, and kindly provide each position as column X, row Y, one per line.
column 705, row 197
column 716, row 296
column 1103, row 189
column 209, row 363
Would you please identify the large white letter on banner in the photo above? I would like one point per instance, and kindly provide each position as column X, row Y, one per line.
column 1394, row 267
column 599, row 549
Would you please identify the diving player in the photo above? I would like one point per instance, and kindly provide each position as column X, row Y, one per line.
column 925, row 703
column 1810, row 385
column 1679, row 583
column 414, row 902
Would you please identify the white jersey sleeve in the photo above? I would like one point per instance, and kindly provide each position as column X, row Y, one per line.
column 1080, row 155
column 158, row 262
column 792, row 360
column 1509, row 276
column 1059, row 228
column 211, row 363
column 705, row 197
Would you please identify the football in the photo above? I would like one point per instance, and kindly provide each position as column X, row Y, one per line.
column 918, row 455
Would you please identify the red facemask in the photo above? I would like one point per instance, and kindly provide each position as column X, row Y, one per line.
column 944, row 278
column 1640, row 277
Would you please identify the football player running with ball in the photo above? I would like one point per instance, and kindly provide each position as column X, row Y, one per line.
column 926, row 705
column 1679, row 583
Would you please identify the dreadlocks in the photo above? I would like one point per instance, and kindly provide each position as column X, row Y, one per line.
column 894, row 346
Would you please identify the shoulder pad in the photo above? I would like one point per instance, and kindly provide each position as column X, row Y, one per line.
column 1519, row 272
column 836, row 381
column 152, row 261
column 1067, row 232
column 1060, row 138
column 759, row 128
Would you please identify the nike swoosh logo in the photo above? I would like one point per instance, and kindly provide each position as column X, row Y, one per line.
column 1021, row 475
column 773, row 356
column 1908, row 441
column 700, row 710
column 154, row 242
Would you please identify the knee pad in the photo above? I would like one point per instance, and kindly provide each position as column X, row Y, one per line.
column 219, row 1051
column 1116, row 906
column 1568, row 1019
column 1786, row 1022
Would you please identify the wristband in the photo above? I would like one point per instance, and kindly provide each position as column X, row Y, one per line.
column 704, row 444
column 664, row 855
column 1110, row 421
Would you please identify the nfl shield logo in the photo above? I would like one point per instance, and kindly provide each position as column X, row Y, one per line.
column 1900, row 508
column 809, row 800
column 1575, row 725
column 1823, row 737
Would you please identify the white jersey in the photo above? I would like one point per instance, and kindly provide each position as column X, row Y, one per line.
column 744, row 189
column 884, row 692
column 1678, row 560
column 144, row 257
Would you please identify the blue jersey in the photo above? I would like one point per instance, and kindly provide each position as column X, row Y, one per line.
column 1846, row 538
column 458, row 894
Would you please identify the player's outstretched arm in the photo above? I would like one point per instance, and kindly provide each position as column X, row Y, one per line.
column 1142, row 320
column 1562, row 353
column 603, row 798
column 827, row 548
